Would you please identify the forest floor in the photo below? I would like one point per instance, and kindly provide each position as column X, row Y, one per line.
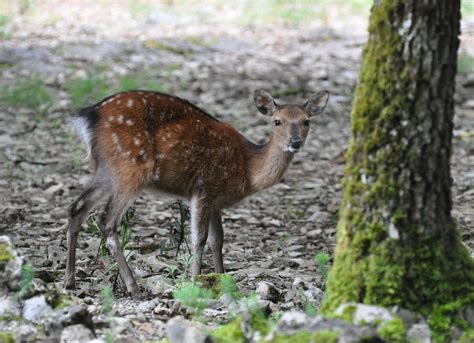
column 61, row 57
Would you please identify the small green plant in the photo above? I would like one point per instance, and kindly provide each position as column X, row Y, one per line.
column 311, row 310
column 229, row 286
column 94, row 227
column 108, row 300
column 193, row 297
column 322, row 260
column 393, row 330
column 29, row 93
column 136, row 81
column 124, row 230
column 282, row 241
column 465, row 63
column 27, row 275
column 185, row 261
column 171, row 272
column 4, row 30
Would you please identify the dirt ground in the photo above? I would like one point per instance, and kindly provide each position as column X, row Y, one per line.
column 206, row 55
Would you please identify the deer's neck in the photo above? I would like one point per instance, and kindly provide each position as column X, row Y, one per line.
column 268, row 163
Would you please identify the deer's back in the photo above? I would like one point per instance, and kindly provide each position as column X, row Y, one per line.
column 155, row 140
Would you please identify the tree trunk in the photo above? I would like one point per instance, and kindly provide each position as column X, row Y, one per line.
column 397, row 243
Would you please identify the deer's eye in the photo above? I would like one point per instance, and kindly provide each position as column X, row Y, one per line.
column 277, row 122
column 306, row 123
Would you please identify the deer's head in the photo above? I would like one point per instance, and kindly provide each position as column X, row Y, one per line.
column 291, row 122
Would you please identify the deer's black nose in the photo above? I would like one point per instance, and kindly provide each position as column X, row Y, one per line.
column 295, row 143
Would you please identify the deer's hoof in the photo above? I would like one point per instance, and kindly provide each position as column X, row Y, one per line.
column 137, row 295
column 70, row 285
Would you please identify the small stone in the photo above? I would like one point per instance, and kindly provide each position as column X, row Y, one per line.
column 319, row 217
column 268, row 291
column 366, row 313
column 292, row 322
column 147, row 306
column 36, row 308
column 419, row 333
column 180, row 330
column 9, row 306
column 76, row 333
column 314, row 233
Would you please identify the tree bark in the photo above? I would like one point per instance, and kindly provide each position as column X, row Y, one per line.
column 397, row 243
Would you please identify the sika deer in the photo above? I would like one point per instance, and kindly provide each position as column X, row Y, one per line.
column 141, row 140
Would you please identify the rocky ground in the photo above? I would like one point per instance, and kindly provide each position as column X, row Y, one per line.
column 212, row 57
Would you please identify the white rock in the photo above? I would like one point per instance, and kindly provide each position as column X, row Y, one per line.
column 319, row 217
column 9, row 307
column 147, row 306
column 293, row 321
column 179, row 330
column 420, row 333
column 267, row 291
column 76, row 333
column 36, row 308
column 314, row 233
column 366, row 313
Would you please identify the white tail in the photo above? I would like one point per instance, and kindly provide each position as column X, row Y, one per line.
column 146, row 140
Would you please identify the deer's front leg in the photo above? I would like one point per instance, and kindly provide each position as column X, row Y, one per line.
column 200, row 215
column 216, row 239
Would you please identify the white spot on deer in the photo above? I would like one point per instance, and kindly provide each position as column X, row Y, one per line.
column 142, row 152
column 79, row 205
column 127, row 154
column 110, row 118
column 161, row 156
column 115, row 138
column 130, row 103
column 137, row 141
column 129, row 122
column 156, row 174
column 141, row 93
column 144, row 157
column 119, row 102
column 143, row 101
column 120, row 119
column 107, row 124
column 119, row 147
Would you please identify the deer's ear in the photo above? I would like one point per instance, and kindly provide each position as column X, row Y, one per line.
column 264, row 102
column 317, row 103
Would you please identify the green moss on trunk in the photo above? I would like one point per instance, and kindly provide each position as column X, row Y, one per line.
column 397, row 243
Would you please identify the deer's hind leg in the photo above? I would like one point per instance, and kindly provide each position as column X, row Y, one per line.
column 78, row 211
column 115, row 208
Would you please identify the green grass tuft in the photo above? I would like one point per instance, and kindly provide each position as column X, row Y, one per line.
column 322, row 260
column 193, row 297
column 465, row 63
column 29, row 93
